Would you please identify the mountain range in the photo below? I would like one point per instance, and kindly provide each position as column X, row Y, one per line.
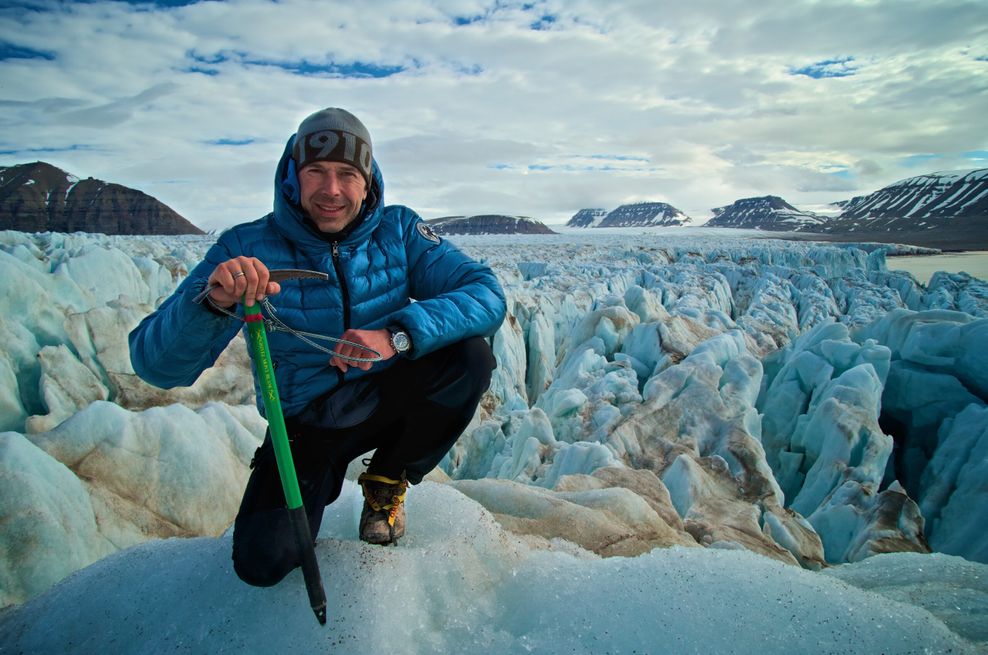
column 39, row 197
column 947, row 210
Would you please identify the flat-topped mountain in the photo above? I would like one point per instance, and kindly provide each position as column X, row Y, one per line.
column 640, row 214
column 765, row 213
column 488, row 224
column 39, row 197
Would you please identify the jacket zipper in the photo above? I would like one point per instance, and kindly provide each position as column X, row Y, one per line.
column 345, row 291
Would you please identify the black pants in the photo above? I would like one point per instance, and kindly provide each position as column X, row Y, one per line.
column 411, row 413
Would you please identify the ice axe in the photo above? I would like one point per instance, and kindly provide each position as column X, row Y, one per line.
column 257, row 340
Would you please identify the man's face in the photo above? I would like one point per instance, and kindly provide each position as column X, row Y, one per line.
column 332, row 193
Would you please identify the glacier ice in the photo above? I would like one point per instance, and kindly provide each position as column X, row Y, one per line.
column 461, row 583
column 702, row 391
column 107, row 478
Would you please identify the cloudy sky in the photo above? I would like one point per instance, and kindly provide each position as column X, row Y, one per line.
column 478, row 106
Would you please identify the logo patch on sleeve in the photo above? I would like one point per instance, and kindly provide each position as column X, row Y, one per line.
column 427, row 232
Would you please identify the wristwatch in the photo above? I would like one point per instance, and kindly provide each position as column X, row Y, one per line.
column 400, row 340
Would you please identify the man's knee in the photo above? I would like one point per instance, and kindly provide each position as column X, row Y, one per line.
column 478, row 356
column 466, row 373
column 264, row 551
column 259, row 574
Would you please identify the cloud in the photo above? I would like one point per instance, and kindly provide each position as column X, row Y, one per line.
column 868, row 168
column 115, row 112
column 534, row 108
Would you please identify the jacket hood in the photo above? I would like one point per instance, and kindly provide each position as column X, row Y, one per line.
column 290, row 219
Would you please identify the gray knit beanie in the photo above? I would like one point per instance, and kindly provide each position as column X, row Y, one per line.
column 334, row 135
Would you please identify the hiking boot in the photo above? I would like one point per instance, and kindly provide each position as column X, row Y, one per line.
column 382, row 520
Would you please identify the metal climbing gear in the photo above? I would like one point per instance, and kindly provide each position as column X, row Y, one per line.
column 272, row 323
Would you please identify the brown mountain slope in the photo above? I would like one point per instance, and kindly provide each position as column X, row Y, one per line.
column 39, row 197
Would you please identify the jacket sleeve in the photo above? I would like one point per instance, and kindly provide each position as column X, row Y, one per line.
column 174, row 344
column 456, row 296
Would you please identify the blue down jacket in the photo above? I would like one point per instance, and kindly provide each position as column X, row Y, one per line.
column 375, row 272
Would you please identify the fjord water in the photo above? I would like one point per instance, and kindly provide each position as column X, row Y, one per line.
column 974, row 263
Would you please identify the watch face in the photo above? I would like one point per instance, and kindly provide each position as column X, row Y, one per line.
column 400, row 342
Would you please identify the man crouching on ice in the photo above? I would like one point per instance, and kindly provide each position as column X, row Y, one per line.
column 410, row 408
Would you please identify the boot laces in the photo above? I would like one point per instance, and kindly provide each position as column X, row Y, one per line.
column 386, row 494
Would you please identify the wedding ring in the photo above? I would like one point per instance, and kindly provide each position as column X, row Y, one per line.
column 239, row 274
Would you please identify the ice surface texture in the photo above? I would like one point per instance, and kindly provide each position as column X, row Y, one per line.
column 460, row 583
column 795, row 400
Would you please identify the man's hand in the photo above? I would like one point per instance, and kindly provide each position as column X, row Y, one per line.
column 241, row 277
column 379, row 340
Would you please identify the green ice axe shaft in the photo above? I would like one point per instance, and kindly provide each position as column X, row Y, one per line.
column 258, row 341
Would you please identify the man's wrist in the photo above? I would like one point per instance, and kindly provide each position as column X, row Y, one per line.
column 400, row 340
